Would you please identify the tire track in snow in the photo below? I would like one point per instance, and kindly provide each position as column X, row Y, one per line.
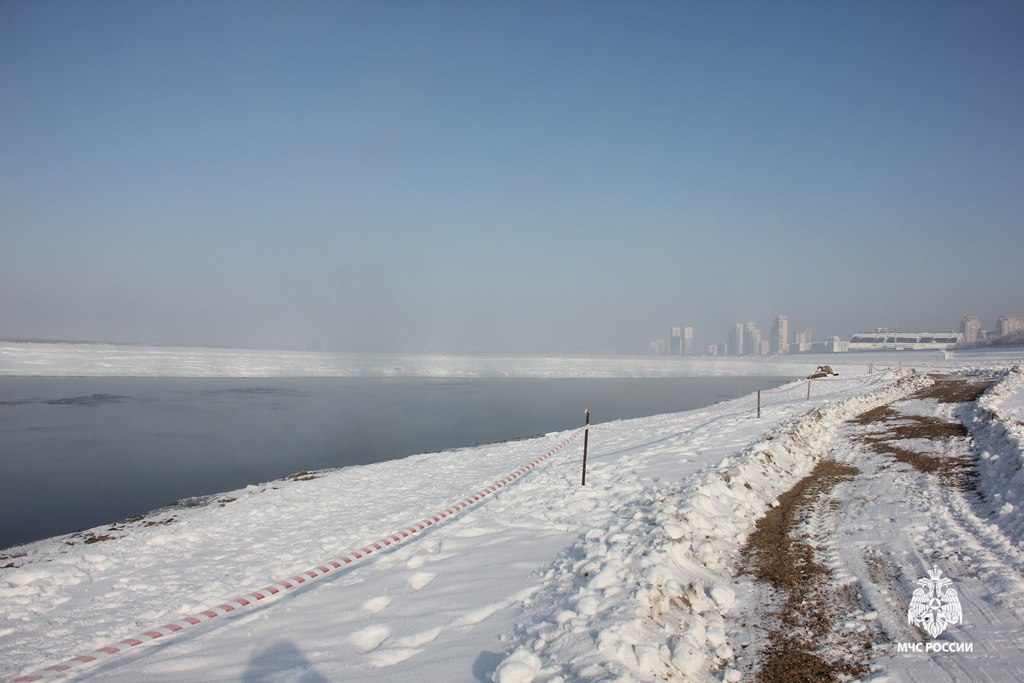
column 779, row 555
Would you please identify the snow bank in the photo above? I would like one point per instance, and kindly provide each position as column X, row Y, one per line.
column 998, row 432
column 645, row 597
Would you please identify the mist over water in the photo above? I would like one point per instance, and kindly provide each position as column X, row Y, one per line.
column 80, row 452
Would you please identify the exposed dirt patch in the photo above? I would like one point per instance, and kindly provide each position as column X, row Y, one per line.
column 880, row 414
column 304, row 475
column 948, row 389
column 784, row 666
column 897, row 428
column 135, row 521
column 926, row 427
column 91, row 537
column 776, row 555
column 10, row 561
column 922, row 463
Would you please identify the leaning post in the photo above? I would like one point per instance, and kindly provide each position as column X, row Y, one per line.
column 808, row 388
column 759, row 403
column 586, row 439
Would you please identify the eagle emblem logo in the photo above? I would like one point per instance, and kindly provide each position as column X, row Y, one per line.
column 935, row 605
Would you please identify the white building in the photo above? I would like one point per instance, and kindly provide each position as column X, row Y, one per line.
column 970, row 326
column 736, row 340
column 1009, row 324
column 888, row 340
column 688, row 346
column 780, row 335
column 752, row 340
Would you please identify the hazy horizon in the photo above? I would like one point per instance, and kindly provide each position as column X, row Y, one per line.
column 530, row 177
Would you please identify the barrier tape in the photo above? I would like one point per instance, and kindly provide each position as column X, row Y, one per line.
column 796, row 384
column 250, row 600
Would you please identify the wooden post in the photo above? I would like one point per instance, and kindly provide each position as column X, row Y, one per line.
column 586, row 439
column 759, row 403
column 808, row 389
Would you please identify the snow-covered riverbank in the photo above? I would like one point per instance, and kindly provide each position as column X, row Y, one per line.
column 630, row 577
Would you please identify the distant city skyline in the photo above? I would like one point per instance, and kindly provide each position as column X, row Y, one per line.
column 748, row 338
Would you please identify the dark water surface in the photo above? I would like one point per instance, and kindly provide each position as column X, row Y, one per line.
column 76, row 452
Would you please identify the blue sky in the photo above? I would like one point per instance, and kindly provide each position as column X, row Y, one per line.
column 506, row 176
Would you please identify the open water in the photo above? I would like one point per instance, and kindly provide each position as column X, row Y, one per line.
column 77, row 452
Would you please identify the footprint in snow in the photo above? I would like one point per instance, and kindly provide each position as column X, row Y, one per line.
column 392, row 656
column 476, row 616
column 418, row 639
column 370, row 638
column 374, row 605
column 420, row 579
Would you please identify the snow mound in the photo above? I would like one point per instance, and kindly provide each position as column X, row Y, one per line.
column 998, row 433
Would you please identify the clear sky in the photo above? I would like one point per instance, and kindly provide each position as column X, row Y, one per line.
column 506, row 176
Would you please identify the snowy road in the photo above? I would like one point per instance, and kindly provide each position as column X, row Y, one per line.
column 909, row 502
column 636, row 576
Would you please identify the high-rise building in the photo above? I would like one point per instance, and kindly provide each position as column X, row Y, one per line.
column 802, row 340
column 780, row 335
column 675, row 346
column 752, row 340
column 1009, row 324
column 971, row 328
column 736, row 340
column 688, row 345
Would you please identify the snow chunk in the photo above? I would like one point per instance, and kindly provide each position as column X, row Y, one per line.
column 520, row 667
column 724, row 596
column 674, row 531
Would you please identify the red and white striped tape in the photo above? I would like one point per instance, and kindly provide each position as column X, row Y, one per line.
column 254, row 598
